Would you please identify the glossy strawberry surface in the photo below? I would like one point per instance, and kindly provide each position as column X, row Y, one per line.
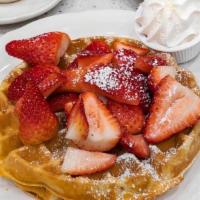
column 37, row 122
column 42, row 49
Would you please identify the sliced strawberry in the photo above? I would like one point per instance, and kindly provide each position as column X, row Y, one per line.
column 97, row 47
column 77, row 125
column 104, row 130
column 47, row 48
column 118, row 45
column 75, row 76
column 124, row 57
column 51, row 83
column 36, row 74
column 57, row 102
column 158, row 73
column 124, row 84
column 136, row 144
column 37, row 123
column 88, row 61
column 174, row 108
column 81, row 162
column 131, row 118
column 146, row 63
column 93, row 51
column 68, row 107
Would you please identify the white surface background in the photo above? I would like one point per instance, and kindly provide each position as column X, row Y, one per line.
column 66, row 6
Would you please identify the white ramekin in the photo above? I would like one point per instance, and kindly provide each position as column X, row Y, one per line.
column 182, row 53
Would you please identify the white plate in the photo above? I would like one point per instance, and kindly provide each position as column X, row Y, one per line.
column 24, row 9
column 102, row 22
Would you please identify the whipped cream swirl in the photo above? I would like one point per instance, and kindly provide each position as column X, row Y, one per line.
column 168, row 23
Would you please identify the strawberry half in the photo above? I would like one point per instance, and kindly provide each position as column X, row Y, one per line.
column 36, row 74
column 37, row 123
column 118, row 45
column 174, row 109
column 146, row 63
column 81, row 162
column 104, row 130
column 47, row 48
column 158, row 73
column 131, row 118
column 57, row 102
column 136, row 144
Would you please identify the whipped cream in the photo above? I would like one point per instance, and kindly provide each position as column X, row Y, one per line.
column 168, row 23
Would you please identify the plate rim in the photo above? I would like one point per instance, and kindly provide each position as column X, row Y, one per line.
column 96, row 11
column 27, row 16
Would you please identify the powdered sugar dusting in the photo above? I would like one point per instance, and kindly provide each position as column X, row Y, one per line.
column 105, row 78
column 154, row 149
column 124, row 56
column 127, row 157
column 145, row 165
column 124, row 81
column 170, row 153
column 97, row 190
column 127, row 173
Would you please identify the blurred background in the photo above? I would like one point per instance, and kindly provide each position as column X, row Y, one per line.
column 66, row 6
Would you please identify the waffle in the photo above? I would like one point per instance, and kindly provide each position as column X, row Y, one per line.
column 35, row 169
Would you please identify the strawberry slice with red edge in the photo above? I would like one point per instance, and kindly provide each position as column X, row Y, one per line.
column 131, row 118
column 158, row 73
column 80, row 162
column 96, row 48
column 36, row 74
column 104, row 130
column 118, row 45
column 68, row 107
column 51, row 83
column 89, row 61
column 47, row 48
column 57, row 102
column 37, row 123
column 174, row 108
column 77, row 124
column 136, row 145
column 146, row 63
